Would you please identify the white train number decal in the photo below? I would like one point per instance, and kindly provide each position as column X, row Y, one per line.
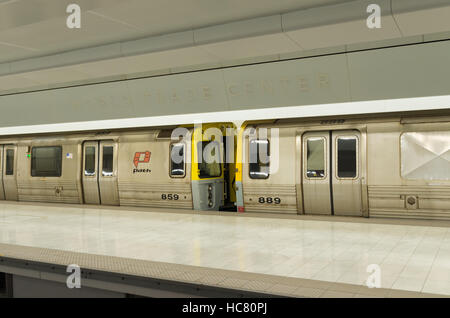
column 269, row 200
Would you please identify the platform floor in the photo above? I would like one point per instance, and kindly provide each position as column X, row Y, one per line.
column 413, row 256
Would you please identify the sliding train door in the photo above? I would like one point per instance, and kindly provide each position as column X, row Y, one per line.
column 346, row 179
column 100, row 185
column 107, row 179
column 316, row 173
column 9, row 172
column 331, row 173
column 2, row 191
column 90, row 173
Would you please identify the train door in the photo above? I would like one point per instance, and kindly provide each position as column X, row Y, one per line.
column 229, row 173
column 90, row 173
column 100, row 172
column 331, row 173
column 316, row 173
column 2, row 191
column 9, row 172
column 346, row 180
column 109, row 189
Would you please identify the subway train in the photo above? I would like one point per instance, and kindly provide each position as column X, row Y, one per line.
column 388, row 165
column 128, row 167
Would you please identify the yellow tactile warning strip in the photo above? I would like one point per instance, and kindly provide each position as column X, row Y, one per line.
column 251, row 282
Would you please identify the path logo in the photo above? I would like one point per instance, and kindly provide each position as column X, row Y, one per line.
column 141, row 157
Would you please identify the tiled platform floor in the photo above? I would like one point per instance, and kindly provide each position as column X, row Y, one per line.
column 412, row 257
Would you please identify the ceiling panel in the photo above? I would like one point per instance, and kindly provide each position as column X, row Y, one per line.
column 424, row 21
column 9, row 51
column 15, row 82
column 239, row 29
column 158, row 16
column 57, row 75
column 149, row 62
column 16, row 13
column 53, row 35
column 343, row 33
column 252, row 47
column 338, row 25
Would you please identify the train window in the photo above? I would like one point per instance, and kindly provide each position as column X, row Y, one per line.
column 107, row 166
column 315, row 157
column 346, row 157
column 89, row 161
column 425, row 155
column 259, row 159
column 177, row 165
column 208, row 156
column 46, row 161
column 9, row 164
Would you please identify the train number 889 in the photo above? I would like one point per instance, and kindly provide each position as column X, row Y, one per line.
column 269, row 200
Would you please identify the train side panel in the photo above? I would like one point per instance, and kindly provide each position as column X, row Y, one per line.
column 278, row 192
column 62, row 185
column 409, row 170
column 144, row 172
column 400, row 166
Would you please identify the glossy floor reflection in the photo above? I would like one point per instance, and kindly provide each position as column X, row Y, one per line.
column 415, row 258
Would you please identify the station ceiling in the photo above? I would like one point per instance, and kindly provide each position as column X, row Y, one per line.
column 38, row 27
column 127, row 39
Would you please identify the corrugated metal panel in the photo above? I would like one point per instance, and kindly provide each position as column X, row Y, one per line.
column 433, row 202
column 145, row 194
column 286, row 193
column 45, row 191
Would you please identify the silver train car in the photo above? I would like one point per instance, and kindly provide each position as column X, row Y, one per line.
column 146, row 167
column 393, row 165
column 385, row 166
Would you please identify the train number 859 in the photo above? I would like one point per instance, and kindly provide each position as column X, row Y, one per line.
column 269, row 200
column 169, row 196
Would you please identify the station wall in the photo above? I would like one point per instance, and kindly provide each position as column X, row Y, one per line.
column 388, row 73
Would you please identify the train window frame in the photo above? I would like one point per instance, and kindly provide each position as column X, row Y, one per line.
column 207, row 142
column 58, row 175
column 265, row 165
column 6, row 162
column 336, row 160
column 325, row 159
column 184, row 160
column 103, row 173
column 94, row 174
